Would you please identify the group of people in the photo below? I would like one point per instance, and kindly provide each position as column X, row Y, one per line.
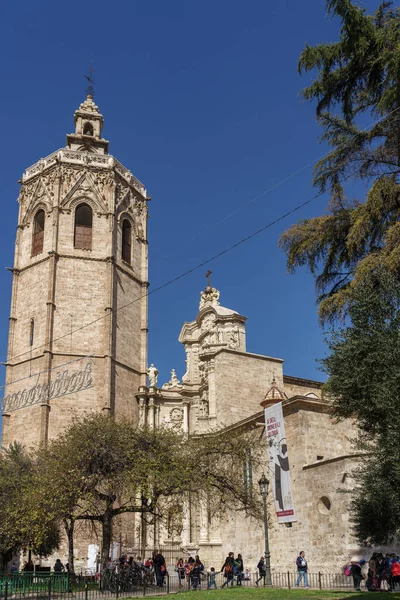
column 156, row 564
column 193, row 572
column 383, row 572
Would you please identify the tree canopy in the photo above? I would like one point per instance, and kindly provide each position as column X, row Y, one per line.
column 100, row 468
column 17, row 522
column 364, row 383
column 357, row 77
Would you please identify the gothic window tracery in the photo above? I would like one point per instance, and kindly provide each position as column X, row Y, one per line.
column 83, row 227
column 126, row 241
column 38, row 232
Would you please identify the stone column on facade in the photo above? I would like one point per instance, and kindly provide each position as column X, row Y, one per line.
column 51, row 307
column 203, row 519
column 109, row 327
column 215, row 530
column 151, row 410
column 185, row 418
column 142, row 412
column 186, row 523
column 212, row 401
column 13, row 318
column 144, row 306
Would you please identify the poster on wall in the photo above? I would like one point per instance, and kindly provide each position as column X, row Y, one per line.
column 279, row 463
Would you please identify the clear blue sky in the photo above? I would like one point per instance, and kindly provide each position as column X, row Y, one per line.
column 201, row 102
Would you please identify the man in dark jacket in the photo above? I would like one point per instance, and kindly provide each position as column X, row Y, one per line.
column 302, row 569
column 160, row 568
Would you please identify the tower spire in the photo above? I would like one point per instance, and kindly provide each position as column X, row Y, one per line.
column 90, row 80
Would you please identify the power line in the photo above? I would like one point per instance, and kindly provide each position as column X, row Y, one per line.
column 285, row 179
column 184, row 274
column 226, row 250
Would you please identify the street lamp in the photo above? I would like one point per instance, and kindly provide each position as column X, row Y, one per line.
column 263, row 485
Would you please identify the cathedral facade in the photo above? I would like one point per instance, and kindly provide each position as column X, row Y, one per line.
column 78, row 343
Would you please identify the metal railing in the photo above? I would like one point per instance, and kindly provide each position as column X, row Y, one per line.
column 49, row 586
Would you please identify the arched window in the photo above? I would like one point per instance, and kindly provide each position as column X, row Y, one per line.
column 126, row 241
column 38, row 233
column 83, row 227
column 88, row 129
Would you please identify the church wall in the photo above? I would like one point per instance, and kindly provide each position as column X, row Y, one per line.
column 326, row 538
column 30, row 302
column 74, row 406
column 128, row 329
column 300, row 389
column 22, row 426
column 81, row 295
column 126, row 385
column 240, row 384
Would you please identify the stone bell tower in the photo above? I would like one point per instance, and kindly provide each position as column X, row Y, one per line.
column 79, row 288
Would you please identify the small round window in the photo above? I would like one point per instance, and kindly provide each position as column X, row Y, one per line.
column 324, row 505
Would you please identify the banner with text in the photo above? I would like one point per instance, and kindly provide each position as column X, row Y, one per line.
column 279, row 463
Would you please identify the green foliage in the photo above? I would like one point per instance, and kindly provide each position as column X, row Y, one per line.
column 357, row 75
column 101, row 468
column 16, row 473
column 364, row 383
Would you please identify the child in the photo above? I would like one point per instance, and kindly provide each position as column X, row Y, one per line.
column 211, row 579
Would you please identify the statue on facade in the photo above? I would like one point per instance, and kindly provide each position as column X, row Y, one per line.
column 173, row 382
column 152, row 374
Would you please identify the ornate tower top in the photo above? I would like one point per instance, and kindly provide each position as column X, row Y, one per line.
column 88, row 125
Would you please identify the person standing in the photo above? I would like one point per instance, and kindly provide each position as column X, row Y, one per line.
column 211, row 579
column 261, row 570
column 239, row 569
column 356, row 574
column 58, row 567
column 160, row 568
column 302, row 569
column 227, row 569
column 180, row 569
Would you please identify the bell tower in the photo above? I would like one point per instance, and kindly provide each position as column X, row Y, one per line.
column 78, row 320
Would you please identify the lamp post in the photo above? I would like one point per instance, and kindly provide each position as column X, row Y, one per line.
column 263, row 485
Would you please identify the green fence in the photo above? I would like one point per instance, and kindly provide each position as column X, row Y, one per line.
column 25, row 583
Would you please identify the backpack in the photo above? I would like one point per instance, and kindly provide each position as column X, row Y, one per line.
column 227, row 569
column 347, row 570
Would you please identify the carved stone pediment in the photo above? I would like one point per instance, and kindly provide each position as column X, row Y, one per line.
column 40, row 197
column 85, row 189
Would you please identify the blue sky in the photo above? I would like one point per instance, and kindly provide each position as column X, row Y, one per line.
column 201, row 102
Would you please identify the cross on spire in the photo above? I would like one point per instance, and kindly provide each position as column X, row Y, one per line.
column 90, row 87
column 208, row 278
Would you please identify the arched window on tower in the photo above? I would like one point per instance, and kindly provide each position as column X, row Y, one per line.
column 38, row 233
column 83, row 227
column 88, row 129
column 126, row 241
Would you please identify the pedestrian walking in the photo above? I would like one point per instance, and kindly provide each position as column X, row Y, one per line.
column 302, row 569
column 261, row 570
column 227, row 569
column 238, row 569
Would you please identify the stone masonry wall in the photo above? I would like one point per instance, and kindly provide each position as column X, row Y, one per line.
column 241, row 381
